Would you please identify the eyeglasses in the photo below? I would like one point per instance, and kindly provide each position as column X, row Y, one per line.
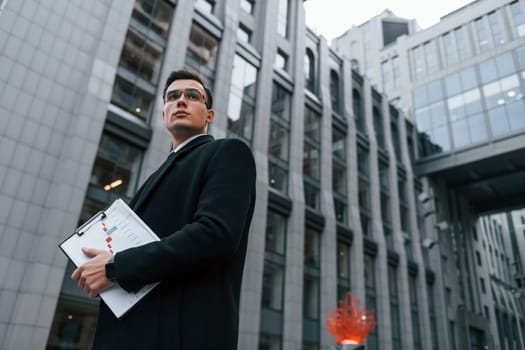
column 190, row 94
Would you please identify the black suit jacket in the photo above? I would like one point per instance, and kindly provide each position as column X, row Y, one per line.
column 200, row 204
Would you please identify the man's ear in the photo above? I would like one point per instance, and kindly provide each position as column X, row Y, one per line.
column 162, row 113
column 211, row 116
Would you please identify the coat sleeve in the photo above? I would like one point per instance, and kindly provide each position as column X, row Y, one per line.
column 222, row 218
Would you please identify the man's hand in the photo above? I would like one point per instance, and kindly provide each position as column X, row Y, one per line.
column 91, row 276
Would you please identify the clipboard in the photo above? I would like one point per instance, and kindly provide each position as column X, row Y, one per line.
column 114, row 229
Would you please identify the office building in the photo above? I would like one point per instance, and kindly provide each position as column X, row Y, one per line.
column 460, row 81
column 339, row 205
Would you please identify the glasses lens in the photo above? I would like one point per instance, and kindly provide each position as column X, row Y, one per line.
column 193, row 94
column 173, row 95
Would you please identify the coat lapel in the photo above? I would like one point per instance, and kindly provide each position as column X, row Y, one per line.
column 153, row 180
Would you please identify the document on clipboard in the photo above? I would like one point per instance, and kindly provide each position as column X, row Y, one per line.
column 114, row 229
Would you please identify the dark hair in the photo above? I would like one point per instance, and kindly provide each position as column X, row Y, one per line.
column 183, row 74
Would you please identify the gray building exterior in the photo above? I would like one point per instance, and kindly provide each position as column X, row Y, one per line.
column 340, row 206
column 460, row 81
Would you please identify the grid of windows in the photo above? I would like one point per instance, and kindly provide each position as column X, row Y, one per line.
column 141, row 57
column 201, row 56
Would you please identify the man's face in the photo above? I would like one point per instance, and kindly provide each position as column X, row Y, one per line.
column 185, row 113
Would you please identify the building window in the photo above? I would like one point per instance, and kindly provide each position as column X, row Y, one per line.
column 502, row 94
column 309, row 70
column 378, row 125
column 201, row 56
column 273, row 281
column 414, row 311
column 464, row 108
column 495, row 29
column 141, row 56
column 343, row 269
column 244, row 34
column 432, row 315
column 312, row 247
column 430, row 57
column 396, row 75
column 311, row 288
column 385, row 73
column 449, row 49
column 359, row 114
column 517, row 17
column 372, row 342
column 462, row 43
column 311, row 157
column 339, row 178
column 116, row 166
column 418, row 63
column 483, row 41
column 431, row 117
column 275, row 239
column 269, row 342
column 248, row 6
column 282, row 18
column 132, row 98
column 241, row 105
column 278, row 144
column 363, row 190
column 273, row 285
column 152, row 16
column 394, row 307
column 206, row 6
column 281, row 61
column 335, row 92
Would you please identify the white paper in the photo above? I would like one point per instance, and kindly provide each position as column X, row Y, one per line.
column 119, row 228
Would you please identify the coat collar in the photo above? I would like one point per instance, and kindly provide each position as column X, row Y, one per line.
column 152, row 182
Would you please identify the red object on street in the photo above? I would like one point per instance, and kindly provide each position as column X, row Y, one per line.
column 350, row 323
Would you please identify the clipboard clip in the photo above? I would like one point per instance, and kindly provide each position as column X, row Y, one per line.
column 95, row 217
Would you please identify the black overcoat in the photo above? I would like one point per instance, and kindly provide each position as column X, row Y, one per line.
column 200, row 203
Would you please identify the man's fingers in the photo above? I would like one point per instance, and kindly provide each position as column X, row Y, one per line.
column 76, row 274
column 91, row 252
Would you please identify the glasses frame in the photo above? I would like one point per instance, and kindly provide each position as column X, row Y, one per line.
column 190, row 94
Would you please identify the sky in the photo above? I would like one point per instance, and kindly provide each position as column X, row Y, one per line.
column 331, row 18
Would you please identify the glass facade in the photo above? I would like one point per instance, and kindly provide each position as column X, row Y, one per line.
column 372, row 341
column 472, row 105
column 311, row 158
column 278, row 144
column 309, row 70
column 339, row 178
column 241, row 105
column 201, row 56
column 343, row 269
column 282, row 18
column 311, row 288
column 272, row 303
column 395, row 319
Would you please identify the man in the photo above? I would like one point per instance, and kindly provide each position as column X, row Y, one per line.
column 200, row 203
